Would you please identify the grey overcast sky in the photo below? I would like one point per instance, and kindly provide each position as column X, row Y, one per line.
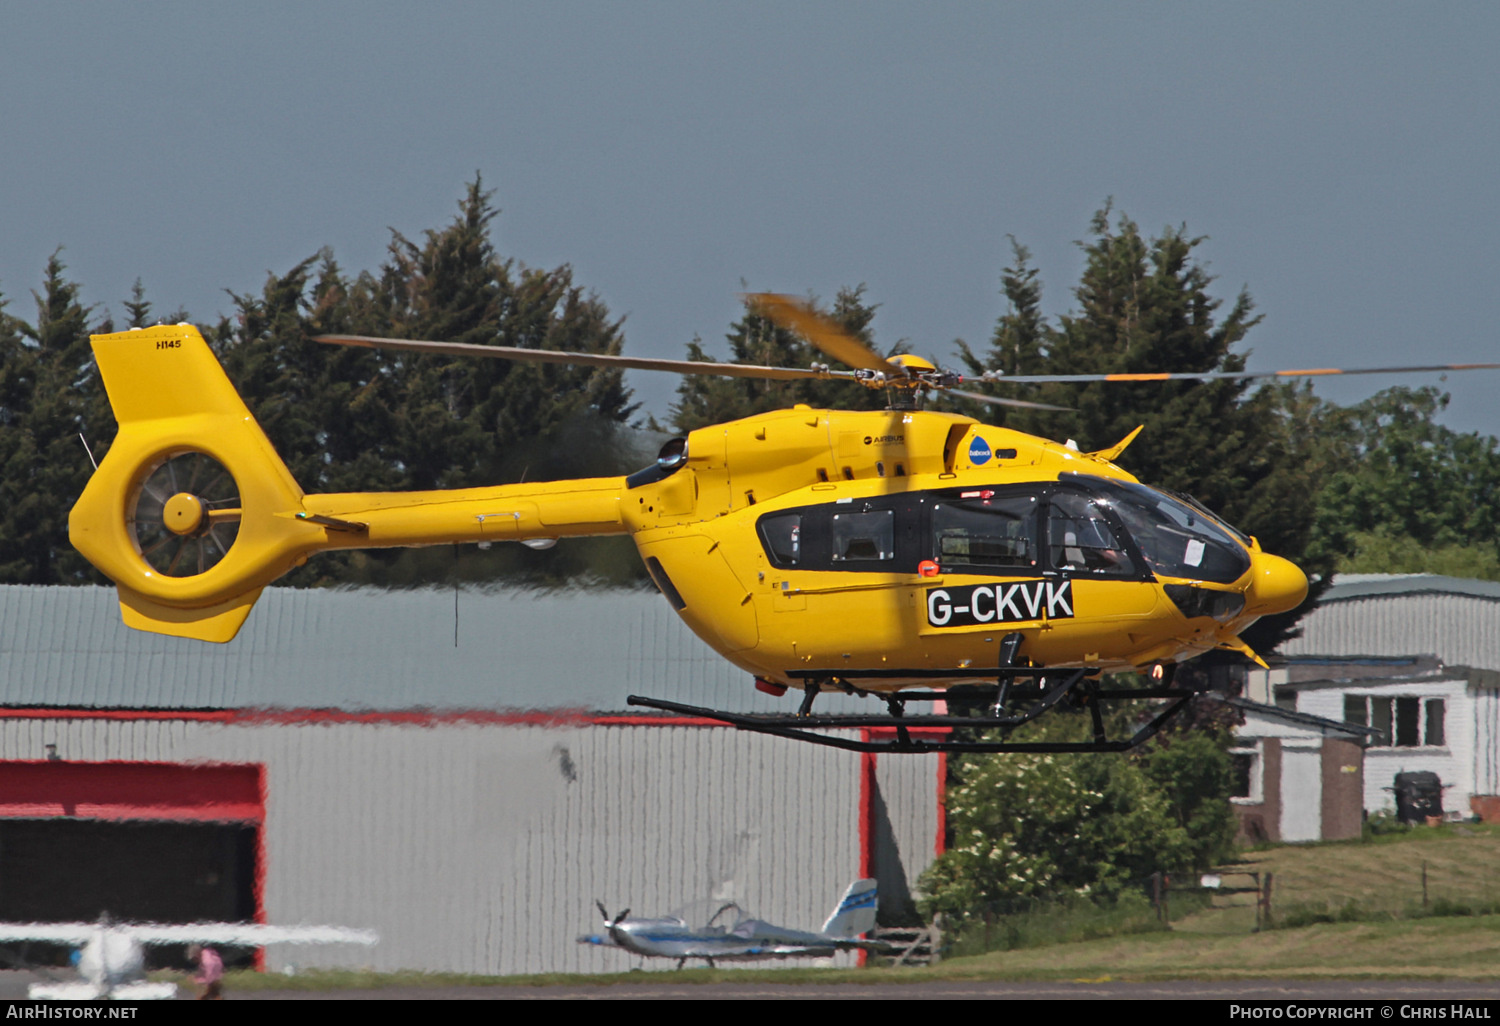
column 1340, row 157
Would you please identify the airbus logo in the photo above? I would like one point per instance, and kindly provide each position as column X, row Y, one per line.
column 1000, row 603
column 885, row 439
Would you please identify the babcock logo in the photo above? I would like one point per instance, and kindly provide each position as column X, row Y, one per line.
column 979, row 451
column 1000, row 603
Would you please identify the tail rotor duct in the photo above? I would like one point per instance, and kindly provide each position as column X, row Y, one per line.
column 186, row 515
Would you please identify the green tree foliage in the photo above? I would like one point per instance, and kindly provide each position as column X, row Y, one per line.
column 754, row 339
column 1036, row 828
column 1143, row 305
column 49, row 395
column 1019, row 342
column 349, row 419
column 363, row 420
column 1028, row 827
column 1404, row 494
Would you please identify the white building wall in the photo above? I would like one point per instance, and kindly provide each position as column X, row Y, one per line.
column 1463, row 630
column 1486, row 741
column 1453, row 762
column 908, row 787
column 1302, row 790
column 482, row 848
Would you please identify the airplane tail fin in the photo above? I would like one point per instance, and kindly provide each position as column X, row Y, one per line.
column 855, row 912
column 192, row 512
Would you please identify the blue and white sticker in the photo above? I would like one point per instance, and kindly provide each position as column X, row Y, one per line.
column 979, row 451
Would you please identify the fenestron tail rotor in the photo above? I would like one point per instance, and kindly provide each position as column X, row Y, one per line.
column 185, row 515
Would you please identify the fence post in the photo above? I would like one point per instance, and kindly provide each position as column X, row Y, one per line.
column 1270, row 878
column 1260, row 901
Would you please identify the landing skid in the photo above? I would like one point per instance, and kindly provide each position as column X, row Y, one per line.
column 1019, row 695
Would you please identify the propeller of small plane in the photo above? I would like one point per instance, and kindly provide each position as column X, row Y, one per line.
column 610, row 923
column 904, row 376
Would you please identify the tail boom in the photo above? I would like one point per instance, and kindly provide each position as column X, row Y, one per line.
column 171, row 398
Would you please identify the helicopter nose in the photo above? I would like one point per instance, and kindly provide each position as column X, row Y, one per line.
column 1276, row 585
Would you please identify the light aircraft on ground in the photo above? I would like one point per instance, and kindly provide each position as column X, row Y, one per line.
column 868, row 552
column 111, row 961
column 730, row 935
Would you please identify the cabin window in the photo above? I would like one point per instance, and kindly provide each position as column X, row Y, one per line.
column 782, row 535
column 1081, row 538
column 1403, row 721
column 846, row 535
column 988, row 530
column 864, row 537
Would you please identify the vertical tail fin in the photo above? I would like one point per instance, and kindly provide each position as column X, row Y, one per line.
column 855, row 912
column 182, row 513
column 191, row 513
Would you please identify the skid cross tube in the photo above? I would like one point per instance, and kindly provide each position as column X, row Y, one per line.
column 800, row 728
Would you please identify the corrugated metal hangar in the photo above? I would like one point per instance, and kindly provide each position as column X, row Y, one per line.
column 1417, row 658
column 454, row 770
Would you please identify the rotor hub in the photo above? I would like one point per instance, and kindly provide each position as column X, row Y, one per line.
column 184, row 514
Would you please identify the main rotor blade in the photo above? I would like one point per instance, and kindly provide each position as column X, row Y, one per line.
column 723, row 370
column 797, row 316
column 1315, row 372
column 997, row 401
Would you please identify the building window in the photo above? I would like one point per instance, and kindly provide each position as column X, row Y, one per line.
column 1434, row 722
column 1403, row 721
column 1245, row 776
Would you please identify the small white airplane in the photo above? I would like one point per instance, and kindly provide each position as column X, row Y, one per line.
column 112, row 960
column 746, row 938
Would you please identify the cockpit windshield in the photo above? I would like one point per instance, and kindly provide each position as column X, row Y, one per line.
column 1178, row 539
column 709, row 914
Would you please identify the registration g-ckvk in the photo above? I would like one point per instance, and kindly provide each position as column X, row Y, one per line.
column 1015, row 602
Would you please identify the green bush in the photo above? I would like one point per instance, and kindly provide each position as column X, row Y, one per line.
column 1060, row 828
column 1382, row 824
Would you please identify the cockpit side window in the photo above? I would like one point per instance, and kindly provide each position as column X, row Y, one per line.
column 1081, row 539
column 986, row 531
column 1177, row 539
column 782, row 535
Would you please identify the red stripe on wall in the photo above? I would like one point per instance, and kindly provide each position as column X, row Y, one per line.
column 399, row 717
column 132, row 790
column 261, row 792
column 867, row 786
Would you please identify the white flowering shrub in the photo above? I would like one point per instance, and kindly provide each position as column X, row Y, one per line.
column 1037, row 828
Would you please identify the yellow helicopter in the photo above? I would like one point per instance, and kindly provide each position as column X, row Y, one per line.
column 869, row 552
